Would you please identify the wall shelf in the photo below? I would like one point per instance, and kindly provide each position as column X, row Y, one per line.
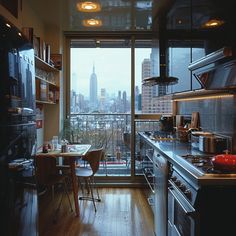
column 49, row 82
column 201, row 94
column 45, row 102
column 39, row 63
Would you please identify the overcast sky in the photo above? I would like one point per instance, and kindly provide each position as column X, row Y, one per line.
column 112, row 67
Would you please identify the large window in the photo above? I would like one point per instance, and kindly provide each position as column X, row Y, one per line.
column 101, row 98
column 100, row 102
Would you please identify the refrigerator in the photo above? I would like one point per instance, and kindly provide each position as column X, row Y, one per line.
column 18, row 189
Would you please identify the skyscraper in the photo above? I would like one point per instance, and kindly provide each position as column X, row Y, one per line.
column 93, row 92
column 146, row 90
column 153, row 99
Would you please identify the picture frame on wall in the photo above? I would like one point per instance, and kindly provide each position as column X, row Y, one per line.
column 11, row 6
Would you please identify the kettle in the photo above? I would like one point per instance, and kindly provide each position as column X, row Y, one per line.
column 166, row 123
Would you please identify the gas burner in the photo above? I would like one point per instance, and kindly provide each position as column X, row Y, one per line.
column 200, row 161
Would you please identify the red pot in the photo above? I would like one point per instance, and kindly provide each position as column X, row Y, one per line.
column 224, row 162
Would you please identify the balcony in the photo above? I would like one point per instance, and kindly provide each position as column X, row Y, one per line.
column 113, row 133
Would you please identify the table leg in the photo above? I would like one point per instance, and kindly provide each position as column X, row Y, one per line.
column 74, row 185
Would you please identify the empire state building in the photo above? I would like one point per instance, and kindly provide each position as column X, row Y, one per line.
column 93, row 92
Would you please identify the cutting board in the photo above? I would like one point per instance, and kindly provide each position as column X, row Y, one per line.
column 179, row 120
column 195, row 122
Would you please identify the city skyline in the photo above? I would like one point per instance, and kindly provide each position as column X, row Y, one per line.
column 112, row 68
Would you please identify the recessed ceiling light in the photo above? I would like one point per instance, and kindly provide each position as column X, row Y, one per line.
column 212, row 23
column 92, row 22
column 8, row 25
column 88, row 6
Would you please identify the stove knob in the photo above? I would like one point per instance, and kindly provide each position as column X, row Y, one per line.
column 177, row 182
column 188, row 194
column 173, row 178
column 182, row 187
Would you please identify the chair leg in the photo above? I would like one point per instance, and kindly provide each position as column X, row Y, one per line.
column 67, row 194
column 91, row 184
column 98, row 199
column 60, row 202
column 81, row 186
column 87, row 185
column 91, row 190
column 57, row 210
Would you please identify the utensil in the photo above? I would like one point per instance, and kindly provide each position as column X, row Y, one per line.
column 195, row 120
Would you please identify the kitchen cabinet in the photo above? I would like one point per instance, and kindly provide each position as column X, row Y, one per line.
column 194, row 29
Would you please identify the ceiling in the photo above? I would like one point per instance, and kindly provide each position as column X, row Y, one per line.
column 116, row 15
column 135, row 15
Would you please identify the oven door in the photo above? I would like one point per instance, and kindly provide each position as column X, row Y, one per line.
column 181, row 215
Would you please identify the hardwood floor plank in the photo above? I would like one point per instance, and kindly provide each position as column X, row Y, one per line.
column 122, row 212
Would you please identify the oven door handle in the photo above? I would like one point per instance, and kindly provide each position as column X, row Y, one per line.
column 188, row 212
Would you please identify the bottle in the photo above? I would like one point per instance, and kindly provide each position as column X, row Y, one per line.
column 64, row 146
column 55, row 143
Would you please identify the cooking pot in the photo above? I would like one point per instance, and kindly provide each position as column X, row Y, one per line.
column 212, row 144
column 224, row 162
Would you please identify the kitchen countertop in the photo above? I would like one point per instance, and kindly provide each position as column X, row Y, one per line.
column 173, row 149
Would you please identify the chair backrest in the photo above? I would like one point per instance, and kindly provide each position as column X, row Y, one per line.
column 45, row 169
column 93, row 157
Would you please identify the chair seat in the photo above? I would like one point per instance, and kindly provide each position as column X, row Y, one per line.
column 83, row 172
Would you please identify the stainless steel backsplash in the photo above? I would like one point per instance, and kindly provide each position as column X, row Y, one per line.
column 216, row 115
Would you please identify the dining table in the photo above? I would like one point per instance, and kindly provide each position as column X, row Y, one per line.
column 73, row 152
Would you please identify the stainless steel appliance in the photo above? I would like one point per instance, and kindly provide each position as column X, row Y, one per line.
column 18, row 194
column 212, row 144
column 160, row 167
column 216, row 70
column 201, row 198
column 200, row 202
column 147, row 168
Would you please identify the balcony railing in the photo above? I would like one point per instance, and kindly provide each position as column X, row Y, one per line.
column 112, row 132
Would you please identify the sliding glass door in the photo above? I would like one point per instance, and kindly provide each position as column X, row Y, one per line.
column 100, row 100
column 108, row 100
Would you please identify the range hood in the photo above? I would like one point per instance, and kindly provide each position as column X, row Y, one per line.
column 216, row 70
column 163, row 79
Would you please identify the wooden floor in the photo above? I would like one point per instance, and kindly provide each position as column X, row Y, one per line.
column 122, row 212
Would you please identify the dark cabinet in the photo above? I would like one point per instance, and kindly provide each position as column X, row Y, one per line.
column 196, row 28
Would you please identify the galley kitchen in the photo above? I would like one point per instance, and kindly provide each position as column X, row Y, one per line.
column 118, row 117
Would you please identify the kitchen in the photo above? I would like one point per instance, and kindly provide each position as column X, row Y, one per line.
column 214, row 101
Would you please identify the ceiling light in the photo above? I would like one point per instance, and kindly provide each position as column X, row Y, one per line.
column 8, row 25
column 88, row 6
column 92, row 22
column 212, row 23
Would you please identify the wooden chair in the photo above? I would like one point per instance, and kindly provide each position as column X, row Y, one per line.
column 48, row 175
column 87, row 173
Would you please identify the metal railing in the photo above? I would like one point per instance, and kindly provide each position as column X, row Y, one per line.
column 110, row 131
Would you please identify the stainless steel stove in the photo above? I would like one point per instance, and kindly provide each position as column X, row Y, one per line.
column 202, row 163
column 200, row 198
